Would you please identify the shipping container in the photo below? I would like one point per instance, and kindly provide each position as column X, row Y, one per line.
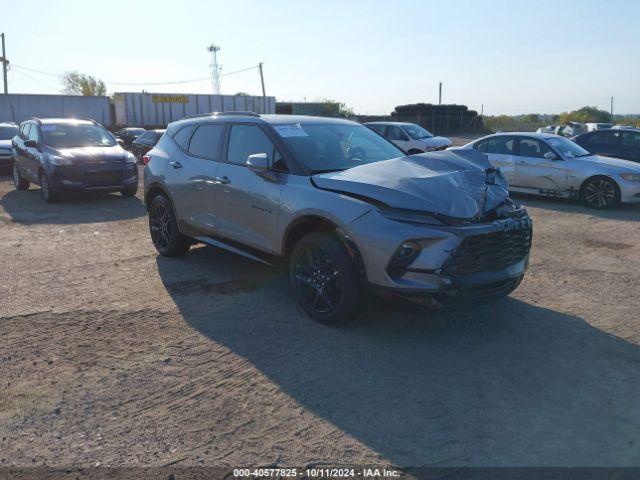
column 159, row 109
column 19, row 107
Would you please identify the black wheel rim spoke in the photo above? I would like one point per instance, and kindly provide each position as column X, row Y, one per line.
column 600, row 193
column 160, row 226
column 318, row 280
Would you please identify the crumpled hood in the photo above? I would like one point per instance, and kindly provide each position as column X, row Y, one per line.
column 93, row 154
column 456, row 183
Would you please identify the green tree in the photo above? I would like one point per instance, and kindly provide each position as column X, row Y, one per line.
column 585, row 115
column 76, row 83
column 343, row 110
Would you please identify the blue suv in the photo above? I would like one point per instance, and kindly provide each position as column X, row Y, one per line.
column 64, row 155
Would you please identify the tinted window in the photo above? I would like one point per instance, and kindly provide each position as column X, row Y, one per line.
column 7, row 132
column 69, row 135
column 147, row 136
column 24, row 131
column 246, row 140
column 530, row 147
column 417, row 132
column 500, row 145
column 603, row 138
column 377, row 128
column 33, row 133
column 631, row 139
column 481, row 146
column 206, row 141
column 395, row 133
column 183, row 136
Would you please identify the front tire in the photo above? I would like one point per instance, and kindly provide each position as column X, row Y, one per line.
column 163, row 228
column 600, row 193
column 18, row 181
column 324, row 278
column 48, row 193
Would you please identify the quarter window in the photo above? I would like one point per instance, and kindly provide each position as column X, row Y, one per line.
column 481, row 146
column 206, row 141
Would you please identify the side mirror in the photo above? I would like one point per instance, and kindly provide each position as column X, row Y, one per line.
column 258, row 163
column 31, row 144
column 551, row 156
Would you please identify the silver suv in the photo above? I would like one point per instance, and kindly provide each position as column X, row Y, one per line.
column 344, row 206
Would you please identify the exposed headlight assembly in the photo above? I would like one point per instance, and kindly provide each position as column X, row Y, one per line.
column 631, row 177
column 410, row 216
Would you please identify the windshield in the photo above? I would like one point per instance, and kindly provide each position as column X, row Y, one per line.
column 71, row 135
column 567, row 148
column 416, row 132
column 328, row 147
column 7, row 132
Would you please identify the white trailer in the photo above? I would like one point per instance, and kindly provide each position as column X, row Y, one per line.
column 159, row 109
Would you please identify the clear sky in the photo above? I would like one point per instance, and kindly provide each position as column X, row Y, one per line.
column 512, row 56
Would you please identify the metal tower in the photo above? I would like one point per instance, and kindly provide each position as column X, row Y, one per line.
column 215, row 68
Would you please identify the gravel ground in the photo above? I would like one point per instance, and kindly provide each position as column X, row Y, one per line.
column 112, row 355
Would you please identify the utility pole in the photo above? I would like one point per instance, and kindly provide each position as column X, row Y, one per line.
column 215, row 68
column 262, row 79
column 5, row 62
column 611, row 119
column 440, row 94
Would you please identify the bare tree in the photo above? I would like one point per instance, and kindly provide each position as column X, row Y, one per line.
column 76, row 83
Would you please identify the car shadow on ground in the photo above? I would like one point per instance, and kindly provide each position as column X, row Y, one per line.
column 626, row 211
column 27, row 207
column 503, row 385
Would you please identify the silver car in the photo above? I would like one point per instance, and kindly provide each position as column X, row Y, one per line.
column 344, row 206
column 410, row 137
column 550, row 165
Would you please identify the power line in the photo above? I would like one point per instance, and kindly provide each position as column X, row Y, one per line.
column 176, row 82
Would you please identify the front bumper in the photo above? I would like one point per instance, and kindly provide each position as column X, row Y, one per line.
column 629, row 191
column 94, row 177
column 455, row 263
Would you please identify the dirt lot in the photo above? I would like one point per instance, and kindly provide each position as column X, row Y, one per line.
column 112, row 355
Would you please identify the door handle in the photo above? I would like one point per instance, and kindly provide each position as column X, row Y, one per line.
column 222, row 180
column 175, row 164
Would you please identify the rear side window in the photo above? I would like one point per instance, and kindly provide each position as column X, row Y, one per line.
column 206, row 141
column 183, row 136
column 395, row 133
column 530, row 147
column 603, row 138
column 631, row 139
column 501, row 145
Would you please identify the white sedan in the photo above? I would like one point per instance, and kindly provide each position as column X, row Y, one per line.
column 554, row 166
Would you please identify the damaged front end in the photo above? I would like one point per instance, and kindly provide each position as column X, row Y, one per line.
column 444, row 230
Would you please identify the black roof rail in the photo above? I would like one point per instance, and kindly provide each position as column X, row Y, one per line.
column 240, row 114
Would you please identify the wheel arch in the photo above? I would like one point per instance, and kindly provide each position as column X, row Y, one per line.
column 599, row 175
column 316, row 223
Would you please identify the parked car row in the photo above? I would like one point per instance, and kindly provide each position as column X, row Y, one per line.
column 349, row 207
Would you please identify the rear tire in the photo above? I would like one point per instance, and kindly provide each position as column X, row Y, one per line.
column 163, row 228
column 18, row 181
column 48, row 193
column 600, row 193
column 325, row 279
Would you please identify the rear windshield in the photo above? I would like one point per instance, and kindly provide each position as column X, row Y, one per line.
column 76, row 135
column 327, row 147
column 7, row 132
